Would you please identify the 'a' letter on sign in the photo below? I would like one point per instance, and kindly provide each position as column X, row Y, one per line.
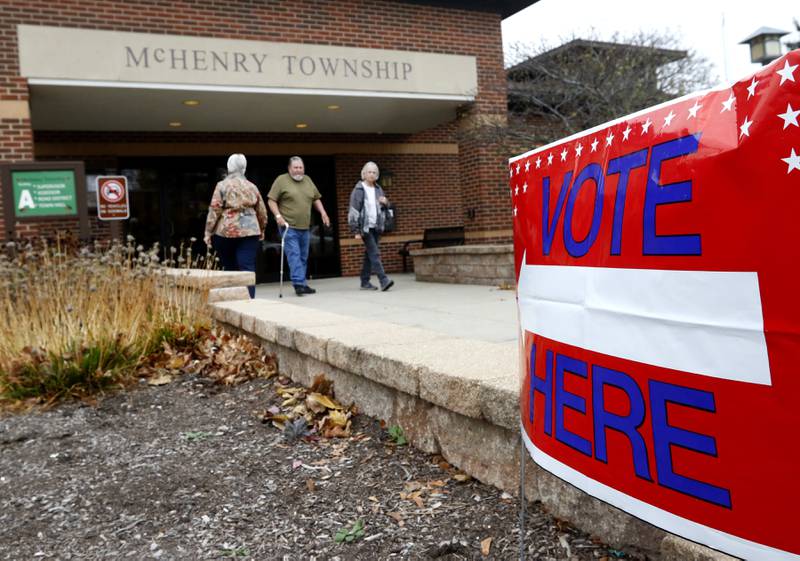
column 25, row 200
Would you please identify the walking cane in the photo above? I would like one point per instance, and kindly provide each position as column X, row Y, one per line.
column 283, row 240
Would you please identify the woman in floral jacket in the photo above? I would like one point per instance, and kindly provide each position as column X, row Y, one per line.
column 237, row 219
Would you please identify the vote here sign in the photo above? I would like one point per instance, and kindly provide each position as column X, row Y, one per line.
column 658, row 261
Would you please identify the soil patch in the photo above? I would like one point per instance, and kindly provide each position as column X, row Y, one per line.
column 189, row 471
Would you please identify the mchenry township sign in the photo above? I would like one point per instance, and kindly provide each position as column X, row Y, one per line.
column 112, row 56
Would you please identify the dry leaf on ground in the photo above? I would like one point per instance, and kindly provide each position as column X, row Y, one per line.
column 486, row 545
column 160, row 380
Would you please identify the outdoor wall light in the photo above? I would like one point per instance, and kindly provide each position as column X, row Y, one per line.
column 175, row 124
column 765, row 44
column 191, row 103
column 386, row 178
column 334, row 107
column 301, row 125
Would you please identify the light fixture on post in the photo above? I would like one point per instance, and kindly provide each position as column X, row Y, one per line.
column 765, row 44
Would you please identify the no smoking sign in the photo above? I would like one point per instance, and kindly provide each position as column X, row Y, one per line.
column 112, row 198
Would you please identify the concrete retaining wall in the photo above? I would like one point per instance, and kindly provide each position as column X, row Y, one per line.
column 466, row 264
column 455, row 397
column 220, row 285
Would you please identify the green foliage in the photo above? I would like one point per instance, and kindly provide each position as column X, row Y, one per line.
column 196, row 436
column 345, row 534
column 77, row 372
column 397, row 435
column 179, row 336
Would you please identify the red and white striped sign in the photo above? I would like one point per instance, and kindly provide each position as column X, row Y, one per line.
column 656, row 261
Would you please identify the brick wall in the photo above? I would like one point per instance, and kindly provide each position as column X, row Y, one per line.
column 445, row 180
column 489, row 202
column 16, row 144
column 354, row 23
column 425, row 189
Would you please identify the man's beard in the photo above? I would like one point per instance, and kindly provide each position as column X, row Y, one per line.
column 298, row 177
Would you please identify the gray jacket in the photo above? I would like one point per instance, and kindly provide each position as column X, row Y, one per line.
column 357, row 214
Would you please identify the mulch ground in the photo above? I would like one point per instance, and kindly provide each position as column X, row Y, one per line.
column 190, row 470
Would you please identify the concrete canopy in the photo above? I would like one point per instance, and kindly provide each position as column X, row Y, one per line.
column 61, row 105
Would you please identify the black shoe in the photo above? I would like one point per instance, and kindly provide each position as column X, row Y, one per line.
column 369, row 286
column 308, row 290
column 299, row 290
column 387, row 286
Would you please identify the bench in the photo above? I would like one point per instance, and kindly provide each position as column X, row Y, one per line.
column 434, row 237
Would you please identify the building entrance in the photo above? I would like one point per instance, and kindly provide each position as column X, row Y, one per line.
column 169, row 200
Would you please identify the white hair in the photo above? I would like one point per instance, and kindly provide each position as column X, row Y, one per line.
column 367, row 166
column 294, row 159
column 237, row 164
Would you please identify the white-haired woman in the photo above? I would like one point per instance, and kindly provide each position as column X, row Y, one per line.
column 366, row 223
column 237, row 219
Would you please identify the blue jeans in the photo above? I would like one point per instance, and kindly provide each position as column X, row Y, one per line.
column 238, row 254
column 296, row 248
column 372, row 258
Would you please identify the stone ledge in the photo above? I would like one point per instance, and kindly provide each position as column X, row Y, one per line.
column 455, row 397
column 466, row 264
column 228, row 293
column 464, row 249
column 205, row 280
column 455, row 373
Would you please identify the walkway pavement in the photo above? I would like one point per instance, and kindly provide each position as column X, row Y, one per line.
column 483, row 313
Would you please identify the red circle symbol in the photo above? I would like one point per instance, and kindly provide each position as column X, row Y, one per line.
column 112, row 191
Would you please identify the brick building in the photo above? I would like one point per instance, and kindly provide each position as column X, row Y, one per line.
column 162, row 93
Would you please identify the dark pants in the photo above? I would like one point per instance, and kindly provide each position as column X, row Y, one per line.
column 372, row 258
column 238, row 254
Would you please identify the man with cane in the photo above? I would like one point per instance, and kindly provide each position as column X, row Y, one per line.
column 290, row 199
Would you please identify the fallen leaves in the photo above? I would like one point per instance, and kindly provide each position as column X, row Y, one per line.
column 439, row 461
column 215, row 354
column 486, row 546
column 414, row 491
column 318, row 402
column 413, row 497
column 320, row 414
column 160, row 380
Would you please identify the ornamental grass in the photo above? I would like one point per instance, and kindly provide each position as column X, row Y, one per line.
column 76, row 322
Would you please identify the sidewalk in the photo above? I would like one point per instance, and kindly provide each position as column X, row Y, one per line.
column 483, row 313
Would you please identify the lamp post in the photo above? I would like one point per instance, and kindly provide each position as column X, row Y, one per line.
column 765, row 44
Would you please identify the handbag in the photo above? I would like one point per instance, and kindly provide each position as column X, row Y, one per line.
column 389, row 217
